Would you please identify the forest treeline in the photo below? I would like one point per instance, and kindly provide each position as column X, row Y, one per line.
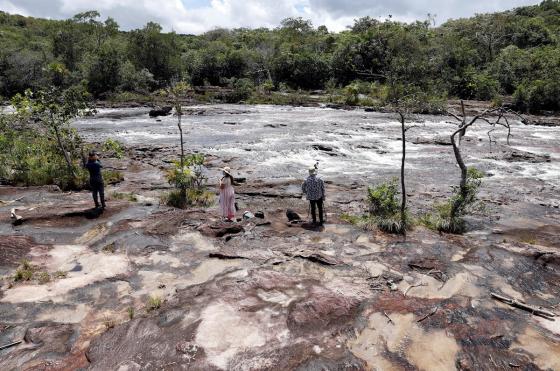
column 488, row 56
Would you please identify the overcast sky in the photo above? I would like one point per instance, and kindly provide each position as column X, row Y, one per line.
column 196, row 16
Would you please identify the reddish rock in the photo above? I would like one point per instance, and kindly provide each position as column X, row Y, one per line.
column 14, row 248
column 321, row 309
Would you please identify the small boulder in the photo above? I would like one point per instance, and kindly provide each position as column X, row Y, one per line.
column 321, row 147
column 160, row 111
column 292, row 215
column 220, row 229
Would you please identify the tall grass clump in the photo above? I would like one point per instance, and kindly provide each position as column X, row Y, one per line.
column 449, row 217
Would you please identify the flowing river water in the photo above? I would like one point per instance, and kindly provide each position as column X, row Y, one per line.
column 282, row 142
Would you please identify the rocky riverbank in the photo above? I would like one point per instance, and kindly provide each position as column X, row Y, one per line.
column 144, row 286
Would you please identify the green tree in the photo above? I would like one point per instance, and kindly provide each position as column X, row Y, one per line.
column 105, row 72
column 54, row 109
column 158, row 53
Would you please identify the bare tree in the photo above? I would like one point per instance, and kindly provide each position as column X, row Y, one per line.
column 176, row 93
column 402, row 114
column 492, row 116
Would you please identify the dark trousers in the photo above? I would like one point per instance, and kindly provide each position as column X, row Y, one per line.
column 317, row 204
column 97, row 189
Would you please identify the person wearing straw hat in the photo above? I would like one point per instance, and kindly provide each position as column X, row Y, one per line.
column 227, row 195
column 314, row 190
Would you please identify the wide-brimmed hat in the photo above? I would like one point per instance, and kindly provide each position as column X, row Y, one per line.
column 226, row 170
column 312, row 171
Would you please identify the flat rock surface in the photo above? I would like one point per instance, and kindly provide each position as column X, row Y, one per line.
column 144, row 286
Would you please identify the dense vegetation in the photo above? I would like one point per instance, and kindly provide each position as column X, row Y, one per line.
column 38, row 146
column 514, row 53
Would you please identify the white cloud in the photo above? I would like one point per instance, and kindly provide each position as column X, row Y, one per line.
column 9, row 7
column 203, row 15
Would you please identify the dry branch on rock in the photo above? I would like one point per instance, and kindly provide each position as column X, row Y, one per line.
column 518, row 304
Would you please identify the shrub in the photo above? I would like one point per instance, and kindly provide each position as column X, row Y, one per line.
column 130, row 311
column 538, row 95
column 44, row 277
column 109, row 323
column 110, row 248
column 154, row 302
column 382, row 198
column 60, row 274
column 29, row 156
column 443, row 219
column 351, row 94
column 111, row 176
column 191, row 197
column 482, row 86
column 23, row 275
column 175, row 198
column 385, row 208
column 24, row 272
column 114, row 147
column 189, row 182
column 242, row 90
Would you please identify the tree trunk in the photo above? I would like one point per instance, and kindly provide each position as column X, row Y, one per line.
column 464, row 131
column 463, row 185
column 64, row 153
column 182, row 144
column 403, row 186
column 183, row 185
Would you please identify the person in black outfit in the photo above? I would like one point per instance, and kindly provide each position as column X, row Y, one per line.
column 93, row 165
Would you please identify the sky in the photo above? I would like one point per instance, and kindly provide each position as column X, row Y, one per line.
column 198, row 16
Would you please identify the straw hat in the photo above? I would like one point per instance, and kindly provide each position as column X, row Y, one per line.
column 226, row 170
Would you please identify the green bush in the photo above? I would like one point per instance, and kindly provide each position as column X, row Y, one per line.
column 24, row 272
column 385, row 208
column 482, row 86
column 189, row 182
column 28, row 158
column 114, row 147
column 351, row 94
column 154, row 302
column 242, row 90
column 383, row 200
column 443, row 219
column 191, row 197
column 538, row 95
